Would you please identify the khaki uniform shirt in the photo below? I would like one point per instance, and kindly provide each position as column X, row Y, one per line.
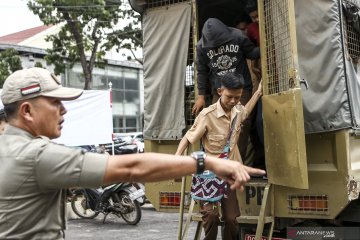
column 33, row 175
column 213, row 127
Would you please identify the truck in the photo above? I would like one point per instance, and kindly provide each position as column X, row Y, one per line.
column 310, row 65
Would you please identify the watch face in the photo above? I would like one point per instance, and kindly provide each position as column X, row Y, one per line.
column 199, row 156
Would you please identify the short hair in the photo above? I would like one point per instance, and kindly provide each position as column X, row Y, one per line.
column 2, row 115
column 11, row 109
column 242, row 18
column 251, row 6
column 232, row 81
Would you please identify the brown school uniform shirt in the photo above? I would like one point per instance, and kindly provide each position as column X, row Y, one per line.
column 213, row 127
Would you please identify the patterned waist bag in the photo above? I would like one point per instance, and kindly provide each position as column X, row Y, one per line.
column 207, row 186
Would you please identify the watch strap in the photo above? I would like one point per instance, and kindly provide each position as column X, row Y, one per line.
column 199, row 156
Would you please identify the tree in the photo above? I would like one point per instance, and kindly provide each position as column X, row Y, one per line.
column 9, row 63
column 89, row 28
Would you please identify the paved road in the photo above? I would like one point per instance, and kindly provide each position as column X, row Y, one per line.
column 153, row 225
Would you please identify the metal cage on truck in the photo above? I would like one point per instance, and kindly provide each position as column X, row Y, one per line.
column 311, row 105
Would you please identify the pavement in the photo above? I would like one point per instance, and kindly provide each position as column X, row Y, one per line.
column 153, row 225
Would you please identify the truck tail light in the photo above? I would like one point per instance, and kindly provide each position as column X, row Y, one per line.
column 310, row 203
column 172, row 199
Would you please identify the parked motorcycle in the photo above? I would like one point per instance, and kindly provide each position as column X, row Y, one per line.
column 121, row 199
column 142, row 200
column 121, row 147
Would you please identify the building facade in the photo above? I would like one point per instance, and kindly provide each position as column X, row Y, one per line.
column 125, row 78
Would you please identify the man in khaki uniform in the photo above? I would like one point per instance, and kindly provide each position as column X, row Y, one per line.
column 212, row 126
column 35, row 172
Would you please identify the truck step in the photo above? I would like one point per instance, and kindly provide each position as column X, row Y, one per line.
column 253, row 219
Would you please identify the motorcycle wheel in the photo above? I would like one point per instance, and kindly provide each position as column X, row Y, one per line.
column 132, row 217
column 80, row 206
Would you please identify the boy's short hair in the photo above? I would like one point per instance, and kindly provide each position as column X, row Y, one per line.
column 232, row 81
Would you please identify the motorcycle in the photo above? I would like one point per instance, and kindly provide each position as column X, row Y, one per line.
column 121, row 147
column 121, row 199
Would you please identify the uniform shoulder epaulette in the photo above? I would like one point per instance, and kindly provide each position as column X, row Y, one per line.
column 43, row 137
column 48, row 140
column 40, row 141
column 209, row 109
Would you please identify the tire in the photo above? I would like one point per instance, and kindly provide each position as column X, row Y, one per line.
column 132, row 217
column 80, row 206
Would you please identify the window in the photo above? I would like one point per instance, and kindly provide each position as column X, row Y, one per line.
column 118, row 96
column 118, row 124
column 131, row 84
column 130, row 124
column 132, row 96
column 77, row 80
column 117, row 82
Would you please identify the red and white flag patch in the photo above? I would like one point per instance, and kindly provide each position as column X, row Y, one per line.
column 30, row 89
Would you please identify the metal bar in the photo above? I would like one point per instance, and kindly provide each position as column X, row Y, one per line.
column 198, row 231
column 195, row 27
column 260, row 225
column 181, row 215
column 188, row 219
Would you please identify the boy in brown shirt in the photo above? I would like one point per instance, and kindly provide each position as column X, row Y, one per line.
column 212, row 126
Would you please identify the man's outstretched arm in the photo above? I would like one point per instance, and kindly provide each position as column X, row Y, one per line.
column 149, row 167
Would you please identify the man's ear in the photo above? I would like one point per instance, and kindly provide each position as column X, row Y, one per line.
column 219, row 91
column 25, row 110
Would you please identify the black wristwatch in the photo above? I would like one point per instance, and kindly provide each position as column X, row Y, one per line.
column 199, row 156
